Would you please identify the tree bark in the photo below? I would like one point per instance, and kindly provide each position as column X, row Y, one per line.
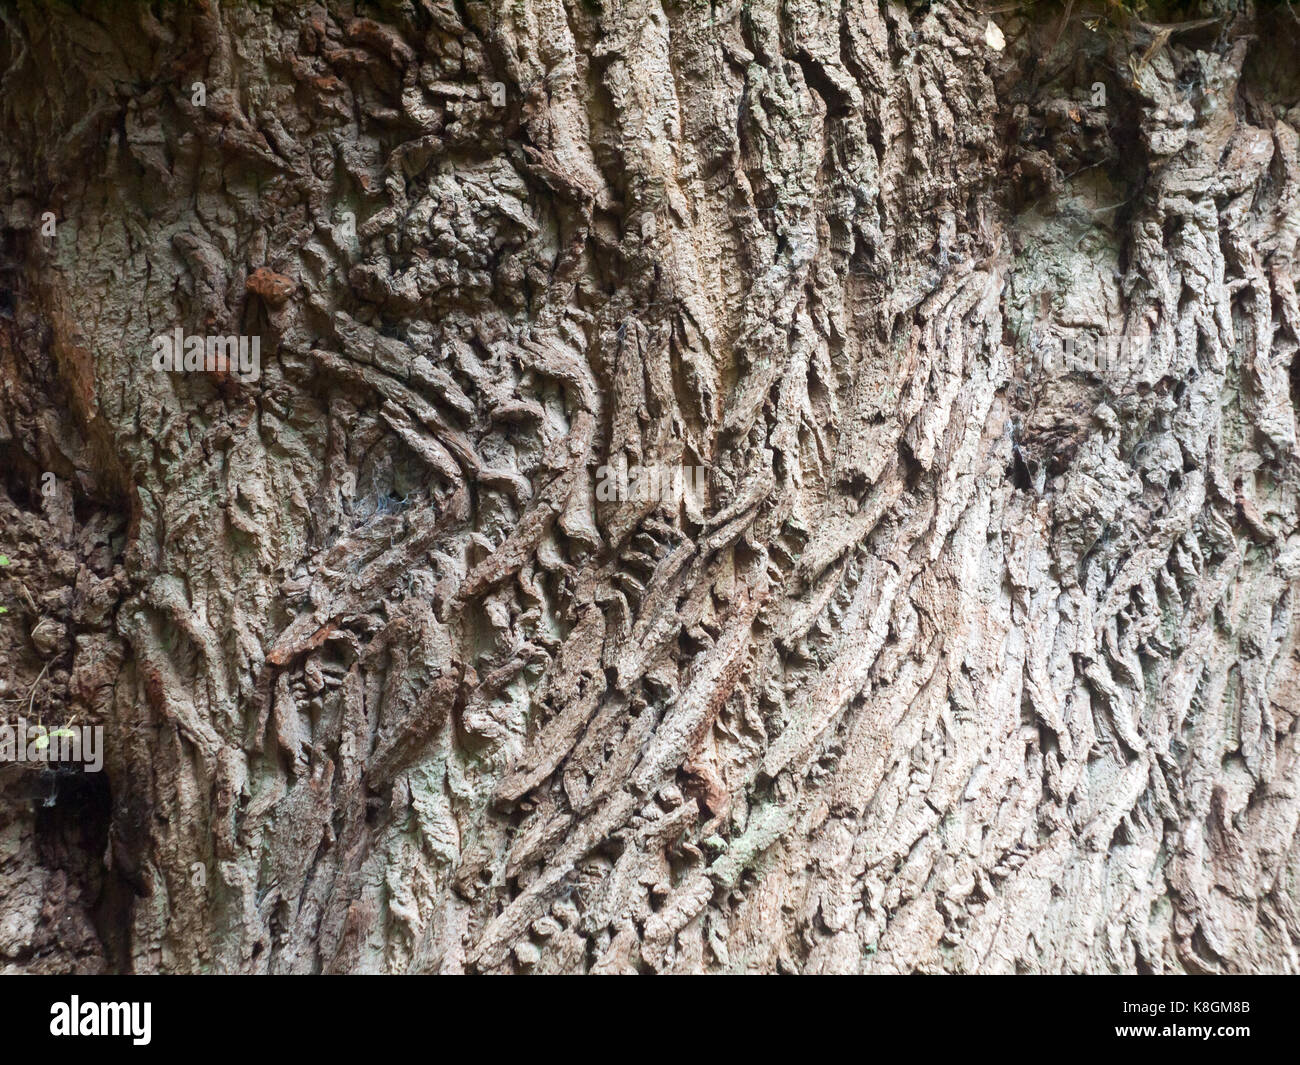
column 963, row 658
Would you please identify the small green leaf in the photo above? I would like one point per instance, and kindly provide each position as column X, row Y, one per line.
column 62, row 732
column 41, row 742
column 4, row 610
column 4, row 560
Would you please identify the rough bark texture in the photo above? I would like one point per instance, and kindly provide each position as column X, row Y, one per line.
column 962, row 663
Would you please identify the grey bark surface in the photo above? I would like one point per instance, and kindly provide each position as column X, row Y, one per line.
column 962, row 663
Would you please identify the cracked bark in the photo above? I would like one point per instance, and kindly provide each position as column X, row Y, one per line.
column 960, row 663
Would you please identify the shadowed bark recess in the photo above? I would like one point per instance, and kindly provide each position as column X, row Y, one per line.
column 976, row 650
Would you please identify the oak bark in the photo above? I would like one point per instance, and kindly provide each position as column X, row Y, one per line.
column 964, row 661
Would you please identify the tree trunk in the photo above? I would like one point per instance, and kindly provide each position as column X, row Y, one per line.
column 975, row 649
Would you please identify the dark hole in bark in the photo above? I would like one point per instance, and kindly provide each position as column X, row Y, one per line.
column 1019, row 471
column 73, row 813
column 1294, row 376
column 18, row 474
